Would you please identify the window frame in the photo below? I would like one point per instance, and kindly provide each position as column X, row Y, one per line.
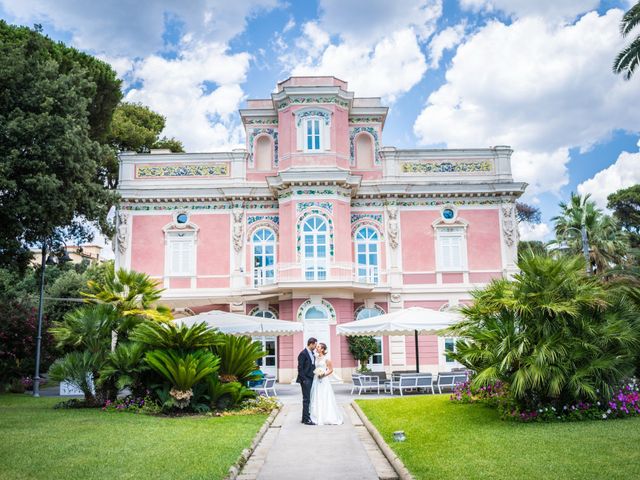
column 317, row 263
column 367, row 243
column 170, row 242
column 451, row 232
column 264, row 243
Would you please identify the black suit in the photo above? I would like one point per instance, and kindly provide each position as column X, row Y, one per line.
column 305, row 378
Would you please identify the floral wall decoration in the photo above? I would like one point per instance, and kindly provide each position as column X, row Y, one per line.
column 484, row 166
column 182, row 170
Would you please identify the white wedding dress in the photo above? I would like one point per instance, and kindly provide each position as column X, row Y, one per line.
column 324, row 409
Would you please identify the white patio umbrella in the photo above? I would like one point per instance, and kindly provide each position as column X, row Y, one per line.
column 237, row 324
column 413, row 320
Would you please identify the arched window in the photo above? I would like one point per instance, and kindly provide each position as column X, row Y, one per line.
column 367, row 254
column 264, row 256
column 263, row 153
column 315, row 241
column 364, row 151
column 376, row 361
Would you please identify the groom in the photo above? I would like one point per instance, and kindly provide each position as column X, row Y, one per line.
column 306, row 366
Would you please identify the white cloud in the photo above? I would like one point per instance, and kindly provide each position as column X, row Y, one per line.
column 529, row 232
column 203, row 118
column 624, row 173
column 540, row 88
column 368, row 22
column 553, row 10
column 389, row 69
column 135, row 29
column 444, row 40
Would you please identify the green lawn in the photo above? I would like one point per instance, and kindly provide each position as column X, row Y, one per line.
column 454, row 441
column 39, row 442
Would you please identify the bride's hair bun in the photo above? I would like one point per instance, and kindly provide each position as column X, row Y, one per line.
column 324, row 347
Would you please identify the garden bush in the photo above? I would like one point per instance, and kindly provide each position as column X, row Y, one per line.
column 551, row 338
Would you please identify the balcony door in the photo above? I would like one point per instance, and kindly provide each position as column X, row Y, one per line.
column 315, row 233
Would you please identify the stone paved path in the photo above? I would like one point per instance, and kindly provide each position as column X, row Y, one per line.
column 291, row 450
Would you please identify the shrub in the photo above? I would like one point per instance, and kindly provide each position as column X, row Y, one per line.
column 223, row 396
column 553, row 335
column 183, row 371
column 177, row 337
column 145, row 405
column 255, row 406
column 238, row 357
column 78, row 369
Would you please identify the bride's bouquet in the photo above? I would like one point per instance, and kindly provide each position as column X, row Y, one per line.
column 320, row 372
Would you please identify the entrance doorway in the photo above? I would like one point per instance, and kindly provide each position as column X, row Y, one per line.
column 316, row 324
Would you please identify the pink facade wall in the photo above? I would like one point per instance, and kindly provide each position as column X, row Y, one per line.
column 418, row 244
column 213, row 243
column 483, row 239
column 147, row 243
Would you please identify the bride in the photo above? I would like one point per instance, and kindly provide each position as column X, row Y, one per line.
column 324, row 409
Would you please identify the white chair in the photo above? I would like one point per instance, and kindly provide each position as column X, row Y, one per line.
column 268, row 384
column 450, row 380
column 365, row 383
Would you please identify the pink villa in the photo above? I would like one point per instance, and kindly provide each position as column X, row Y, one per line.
column 317, row 222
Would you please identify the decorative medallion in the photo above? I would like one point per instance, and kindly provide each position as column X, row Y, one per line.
column 352, row 148
column 447, row 167
column 182, row 170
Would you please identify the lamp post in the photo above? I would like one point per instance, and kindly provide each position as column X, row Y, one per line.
column 45, row 261
column 585, row 244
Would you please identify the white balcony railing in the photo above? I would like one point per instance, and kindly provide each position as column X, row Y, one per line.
column 264, row 276
column 318, row 271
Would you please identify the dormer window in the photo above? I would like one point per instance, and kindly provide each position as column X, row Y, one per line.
column 313, row 130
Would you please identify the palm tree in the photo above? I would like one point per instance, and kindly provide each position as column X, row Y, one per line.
column 607, row 242
column 133, row 295
column 629, row 58
column 553, row 334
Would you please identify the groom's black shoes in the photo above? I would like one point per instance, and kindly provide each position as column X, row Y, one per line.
column 309, row 422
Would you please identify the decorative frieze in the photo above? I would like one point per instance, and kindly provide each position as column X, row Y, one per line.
column 261, row 121
column 312, row 99
column 480, row 167
column 352, row 148
column 421, row 202
column 147, row 207
column 304, row 205
column 355, row 120
column 183, row 170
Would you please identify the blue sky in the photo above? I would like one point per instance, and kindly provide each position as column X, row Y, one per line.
column 458, row 73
